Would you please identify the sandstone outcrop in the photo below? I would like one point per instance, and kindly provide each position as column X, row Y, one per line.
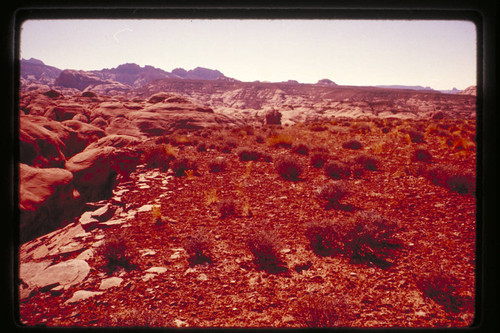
column 47, row 198
column 39, row 146
column 93, row 174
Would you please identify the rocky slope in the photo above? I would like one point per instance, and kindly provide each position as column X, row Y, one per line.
column 66, row 281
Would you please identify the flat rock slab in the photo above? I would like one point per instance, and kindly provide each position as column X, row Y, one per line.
column 66, row 273
column 157, row 270
column 82, row 294
column 110, row 283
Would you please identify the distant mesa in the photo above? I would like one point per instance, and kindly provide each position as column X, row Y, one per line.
column 398, row 86
column 199, row 73
column 326, row 82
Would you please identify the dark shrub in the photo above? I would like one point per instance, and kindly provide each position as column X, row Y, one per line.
column 248, row 154
column 440, row 287
column 319, row 159
column 273, row 117
column 370, row 238
column 201, row 147
column 227, row 207
column 337, row 170
column 181, row 165
column 301, row 149
column 416, row 136
column 259, row 139
column 217, row 165
column 368, row 162
column 157, row 155
column 289, row 169
column 116, row 253
column 352, row 144
column 422, row 155
column 264, row 246
column 324, row 238
column 331, row 193
column 453, row 178
column 386, row 129
column 198, row 248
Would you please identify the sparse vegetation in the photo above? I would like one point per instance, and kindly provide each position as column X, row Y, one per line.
column 116, row 253
column 198, row 248
column 265, row 246
column 158, row 155
column 352, row 144
column 331, row 193
column 366, row 161
column 227, row 208
column 337, row 170
column 422, row 155
column 324, row 238
column 452, row 178
column 183, row 164
column 219, row 164
column 280, row 140
column 318, row 159
column 301, row 149
column 248, row 154
column 440, row 287
column 371, row 238
column 289, row 169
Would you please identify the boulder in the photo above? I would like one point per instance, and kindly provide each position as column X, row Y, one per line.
column 47, row 199
column 93, row 172
column 82, row 135
column 66, row 111
column 38, row 145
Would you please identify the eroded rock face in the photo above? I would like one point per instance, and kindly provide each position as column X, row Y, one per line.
column 39, row 146
column 47, row 198
column 93, row 174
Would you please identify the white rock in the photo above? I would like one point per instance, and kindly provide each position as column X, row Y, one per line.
column 110, row 282
column 145, row 208
column 82, row 294
column 66, row 273
column 157, row 270
column 202, row 277
column 180, row 323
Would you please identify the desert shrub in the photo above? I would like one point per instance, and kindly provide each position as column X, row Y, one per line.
column 265, row 247
column 266, row 157
column 289, row 169
column 440, row 287
column 386, row 129
column 452, row 178
column 248, row 154
column 116, row 253
column 323, row 238
column 422, row 155
column 318, row 159
column 301, row 149
column 317, row 311
column 156, row 215
column 368, row 162
column 219, row 164
column 259, row 138
column 201, row 147
column 331, row 193
column 273, row 117
column 370, row 238
column 157, row 155
column 416, row 136
column 280, row 140
column 352, row 144
column 198, row 248
column 337, row 170
column 181, row 165
column 227, row 207
column 364, row 128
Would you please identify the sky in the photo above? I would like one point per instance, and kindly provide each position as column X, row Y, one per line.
column 439, row 54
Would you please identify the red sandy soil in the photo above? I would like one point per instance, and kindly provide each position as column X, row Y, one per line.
column 438, row 232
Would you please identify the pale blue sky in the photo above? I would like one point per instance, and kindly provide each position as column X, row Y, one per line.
column 439, row 54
